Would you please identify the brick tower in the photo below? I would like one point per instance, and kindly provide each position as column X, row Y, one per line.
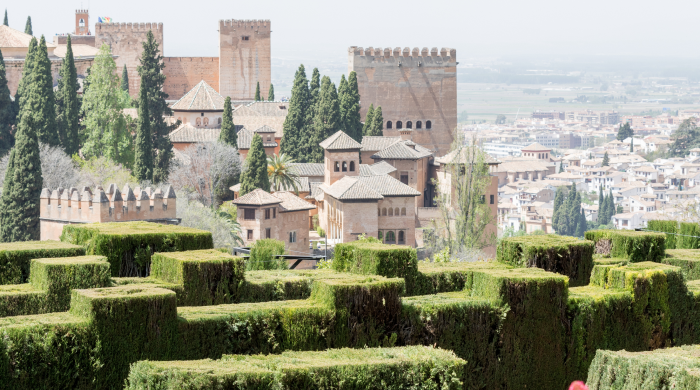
column 244, row 58
column 82, row 25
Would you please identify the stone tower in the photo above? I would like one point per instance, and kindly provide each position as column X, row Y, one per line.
column 82, row 25
column 244, row 58
column 416, row 89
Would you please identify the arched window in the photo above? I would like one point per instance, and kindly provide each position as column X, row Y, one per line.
column 391, row 212
column 337, row 167
column 198, row 122
column 352, row 166
column 428, row 125
column 206, row 121
column 409, row 125
column 384, row 211
column 345, row 166
column 218, row 121
column 81, row 23
column 380, row 235
column 388, row 124
column 396, row 211
column 419, row 125
column 403, row 211
column 399, row 125
column 401, row 238
column 390, row 236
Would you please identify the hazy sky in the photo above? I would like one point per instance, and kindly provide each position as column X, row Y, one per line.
column 475, row 28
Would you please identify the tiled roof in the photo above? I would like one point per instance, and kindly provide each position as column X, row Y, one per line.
column 453, row 158
column 302, row 184
column 262, row 109
column 201, row 97
column 78, row 51
column 291, row 202
column 307, row 169
column 257, row 197
column 401, row 151
column 388, row 186
column 380, row 168
column 265, row 129
column 188, row 133
column 245, row 137
column 350, row 188
column 340, row 141
column 373, row 144
column 536, row 147
column 314, row 188
column 9, row 37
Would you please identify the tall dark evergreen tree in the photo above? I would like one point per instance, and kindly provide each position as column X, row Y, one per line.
column 228, row 130
column 377, row 123
column 606, row 160
column 125, row 79
column 350, row 108
column 342, row 87
column 314, row 91
column 143, row 150
column 581, row 225
column 632, row 145
column 7, row 113
column 151, row 73
column 558, row 203
column 255, row 176
column 271, row 93
column 561, row 167
column 601, row 198
column 367, row 126
column 327, row 120
column 29, row 61
column 67, row 103
column 295, row 142
column 625, row 131
column 257, row 92
column 611, row 206
column 5, row 21
column 573, row 210
column 41, row 75
column 28, row 26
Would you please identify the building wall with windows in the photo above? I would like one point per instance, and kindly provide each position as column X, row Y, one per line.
column 397, row 216
column 260, row 222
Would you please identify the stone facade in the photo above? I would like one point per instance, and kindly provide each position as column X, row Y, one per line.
column 183, row 73
column 411, row 86
column 244, row 58
column 14, row 67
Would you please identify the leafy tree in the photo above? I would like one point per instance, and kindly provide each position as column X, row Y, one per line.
column 606, row 160
column 42, row 80
column 255, row 176
column 151, row 72
column 271, row 93
column 282, row 178
column 295, row 141
column 125, row 79
column 686, row 137
column 625, row 131
column 350, row 108
column 228, row 130
column 327, row 120
column 7, row 113
column 28, row 26
column 67, row 103
column 500, row 119
column 367, row 126
column 5, row 21
column 377, row 122
column 257, row 92
column 264, row 255
column 143, row 151
column 104, row 126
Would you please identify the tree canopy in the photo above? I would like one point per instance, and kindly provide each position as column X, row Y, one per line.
column 327, row 119
column 685, row 138
column 295, row 142
column 625, row 131
column 271, row 93
column 7, row 113
column 67, row 103
column 28, row 26
column 255, row 174
column 42, row 86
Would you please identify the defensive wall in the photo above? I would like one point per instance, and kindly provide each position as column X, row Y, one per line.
column 74, row 40
column 14, row 67
column 410, row 86
column 244, row 58
column 183, row 73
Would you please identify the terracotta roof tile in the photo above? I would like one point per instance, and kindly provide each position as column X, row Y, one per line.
column 201, row 97
column 373, row 144
column 307, row 169
column 257, row 197
column 380, row 168
column 536, row 147
column 401, row 151
column 9, row 37
column 190, row 134
column 291, row 202
column 388, row 186
column 340, row 141
column 245, row 137
column 350, row 188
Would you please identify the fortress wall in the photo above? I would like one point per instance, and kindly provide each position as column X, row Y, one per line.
column 183, row 73
column 244, row 58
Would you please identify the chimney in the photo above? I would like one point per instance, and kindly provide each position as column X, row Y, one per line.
column 405, row 134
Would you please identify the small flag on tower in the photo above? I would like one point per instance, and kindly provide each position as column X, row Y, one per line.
column 104, row 19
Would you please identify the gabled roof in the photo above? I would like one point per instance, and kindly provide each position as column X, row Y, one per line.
column 201, row 97
column 402, row 151
column 189, row 134
column 245, row 137
column 453, row 158
column 380, row 168
column 350, row 188
column 265, row 129
column 315, row 189
column 291, row 202
column 372, row 144
column 9, row 37
column 302, row 183
column 307, row 169
column 257, row 197
column 536, row 147
column 340, row 141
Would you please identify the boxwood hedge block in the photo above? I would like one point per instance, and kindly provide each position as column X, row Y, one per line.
column 668, row 227
column 128, row 246
column 278, row 285
column 687, row 259
column 599, row 260
column 436, row 278
column 366, row 258
column 382, row 368
column 632, row 245
column 15, row 257
column 207, row 276
column 670, row 368
column 21, row 299
column 568, row 256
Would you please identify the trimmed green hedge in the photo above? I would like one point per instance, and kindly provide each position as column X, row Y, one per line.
column 392, row 261
column 15, row 257
column 628, row 244
column 383, row 368
column 687, row 259
column 670, row 368
column 670, row 227
column 128, row 246
column 564, row 255
column 207, row 276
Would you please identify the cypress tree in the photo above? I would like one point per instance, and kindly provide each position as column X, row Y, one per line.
column 314, row 91
column 294, row 142
column 228, row 130
column 631, row 145
column 611, row 207
column 581, row 225
column 151, row 73
column 7, row 114
column 561, row 167
column 255, row 176
column 342, row 87
column 257, row 92
column 606, row 160
column 618, row 210
column 26, row 75
column 46, row 132
column 377, row 122
column 143, row 150
column 327, row 120
column 5, row 22
column 28, row 26
column 601, row 198
column 271, row 93
column 367, row 126
column 573, row 210
column 125, row 79
column 602, row 212
column 350, row 108
column 67, row 104
column 558, row 202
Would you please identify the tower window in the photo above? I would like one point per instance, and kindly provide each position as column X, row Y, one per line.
column 345, row 166
column 337, row 167
column 428, row 125
column 388, row 124
column 81, row 23
column 409, row 125
column 419, row 125
column 352, row 166
column 245, row 38
column 399, row 125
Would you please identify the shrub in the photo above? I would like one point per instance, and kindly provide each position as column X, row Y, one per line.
column 688, row 237
column 128, row 246
column 635, row 246
column 264, row 255
column 564, row 255
column 15, row 257
column 320, row 231
column 687, row 259
column 377, row 259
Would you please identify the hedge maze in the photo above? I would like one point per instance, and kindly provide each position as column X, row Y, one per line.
column 549, row 310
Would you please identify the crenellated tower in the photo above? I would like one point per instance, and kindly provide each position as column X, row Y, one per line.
column 244, row 58
column 82, row 22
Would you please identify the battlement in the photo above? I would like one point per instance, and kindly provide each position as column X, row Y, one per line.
column 119, row 27
column 263, row 24
column 449, row 55
column 81, row 11
column 191, row 59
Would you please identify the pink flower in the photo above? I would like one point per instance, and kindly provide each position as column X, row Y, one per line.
column 578, row 385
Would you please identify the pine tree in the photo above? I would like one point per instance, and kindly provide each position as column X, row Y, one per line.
column 67, row 103
column 377, row 123
column 257, row 92
column 5, row 22
column 228, row 130
column 46, row 130
column 295, row 141
column 606, row 160
column 7, row 114
column 271, row 93
column 367, row 126
column 151, row 72
column 255, row 176
column 28, row 26
column 350, row 108
column 327, row 120
column 143, row 150
column 125, row 80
